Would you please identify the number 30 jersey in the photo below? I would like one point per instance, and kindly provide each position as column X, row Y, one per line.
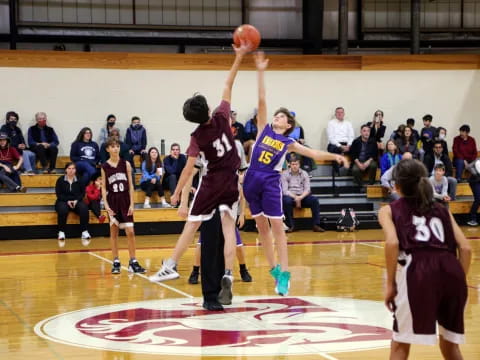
column 432, row 230
column 269, row 151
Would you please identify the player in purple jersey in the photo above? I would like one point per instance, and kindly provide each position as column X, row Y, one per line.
column 214, row 142
column 117, row 194
column 262, row 187
column 426, row 282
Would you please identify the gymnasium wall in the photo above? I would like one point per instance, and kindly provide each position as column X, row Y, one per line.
column 77, row 97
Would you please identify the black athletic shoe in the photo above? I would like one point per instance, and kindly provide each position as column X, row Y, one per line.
column 116, row 267
column 193, row 279
column 212, row 306
column 245, row 275
column 134, row 266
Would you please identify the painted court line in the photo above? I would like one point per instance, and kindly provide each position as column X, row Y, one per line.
column 146, row 278
column 326, row 356
column 371, row 245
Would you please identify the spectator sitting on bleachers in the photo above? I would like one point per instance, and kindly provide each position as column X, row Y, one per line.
column 464, row 151
column 93, row 197
column 398, row 134
column 173, row 165
column 340, row 135
column 427, row 136
column 18, row 142
column 124, row 149
column 43, row 141
column 105, row 132
column 297, row 193
column 415, row 134
column 10, row 162
column 441, row 135
column 85, row 154
column 407, row 143
column 390, row 158
column 364, row 157
column 151, row 180
column 250, row 134
column 436, row 157
column 377, row 129
column 136, row 138
column 387, row 180
column 440, row 184
column 239, row 132
column 474, row 182
column 70, row 193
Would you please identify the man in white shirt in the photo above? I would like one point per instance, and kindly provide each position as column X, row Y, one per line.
column 340, row 134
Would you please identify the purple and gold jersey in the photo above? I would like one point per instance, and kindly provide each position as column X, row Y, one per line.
column 269, row 151
column 431, row 230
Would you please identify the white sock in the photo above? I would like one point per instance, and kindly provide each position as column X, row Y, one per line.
column 170, row 263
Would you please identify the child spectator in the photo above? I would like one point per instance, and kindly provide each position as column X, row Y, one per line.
column 94, row 197
column 136, row 138
column 10, row 162
column 440, row 184
column 151, row 180
column 427, row 136
column 390, row 158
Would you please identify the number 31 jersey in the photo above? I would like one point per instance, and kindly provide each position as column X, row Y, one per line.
column 269, row 151
column 416, row 231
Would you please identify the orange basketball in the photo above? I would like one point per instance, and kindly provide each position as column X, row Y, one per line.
column 249, row 34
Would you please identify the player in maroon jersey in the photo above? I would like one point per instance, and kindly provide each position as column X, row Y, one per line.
column 214, row 142
column 426, row 282
column 117, row 193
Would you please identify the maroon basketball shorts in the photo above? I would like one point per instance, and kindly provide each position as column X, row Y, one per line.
column 431, row 289
column 216, row 190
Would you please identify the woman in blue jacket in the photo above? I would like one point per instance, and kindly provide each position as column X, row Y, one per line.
column 85, row 154
column 151, row 180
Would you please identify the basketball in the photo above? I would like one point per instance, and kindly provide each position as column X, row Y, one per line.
column 249, row 34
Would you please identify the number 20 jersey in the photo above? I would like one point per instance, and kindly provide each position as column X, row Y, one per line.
column 269, row 151
column 432, row 230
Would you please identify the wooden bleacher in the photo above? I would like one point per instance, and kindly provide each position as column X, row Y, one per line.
column 456, row 207
column 377, row 191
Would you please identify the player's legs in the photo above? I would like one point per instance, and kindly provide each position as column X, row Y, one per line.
column 114, row 240
column 450, row 351
column 131, row 241
column 228, row 229
column 399, row 351
column 240, row 255
column 265, row 236
column 193, row 278
column 280, row 242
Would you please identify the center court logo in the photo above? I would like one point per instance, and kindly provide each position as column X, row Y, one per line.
column 251, row 326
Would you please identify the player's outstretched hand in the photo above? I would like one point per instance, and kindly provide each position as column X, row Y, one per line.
column 243, row 49
column 343, row 160
column 260, row 61
column 390, row 293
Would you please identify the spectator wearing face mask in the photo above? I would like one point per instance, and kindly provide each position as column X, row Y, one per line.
column 136, row 138
column 17, row 141
column 43, row 141
column 105, row 131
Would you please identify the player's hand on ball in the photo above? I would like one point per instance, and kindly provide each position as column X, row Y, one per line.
column 243, row 49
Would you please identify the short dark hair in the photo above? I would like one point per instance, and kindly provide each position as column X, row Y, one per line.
column 135, row 118
column 290, row 119
column 427, row 117
column 439, row 166
column 293, row 158
column 112, row 141
column 411, row 121
column 173, row 145
column 11, row 113
column 465, row 128
column 364, row 126
column 195, row 109
column 111, row 116
column 70, row 163
column 438, row 142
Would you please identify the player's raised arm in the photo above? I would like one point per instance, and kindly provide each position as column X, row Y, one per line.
column 240, row 52
column 261, row 63
column 317, row 154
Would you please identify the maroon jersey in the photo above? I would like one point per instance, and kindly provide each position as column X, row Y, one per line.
column 118, row 190
column 416, row 231
column 215, row 142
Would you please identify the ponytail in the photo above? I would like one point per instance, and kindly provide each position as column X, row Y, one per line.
column 424, row 195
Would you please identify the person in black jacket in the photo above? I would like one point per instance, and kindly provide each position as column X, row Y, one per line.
column 136, row 139
column 70, row 193
column 377, row 130
column 43, row 141
column 173, row 165
column 364, row 157
column 439, row 156
column 474, row 182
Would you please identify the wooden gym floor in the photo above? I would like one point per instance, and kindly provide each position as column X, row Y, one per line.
column 65, row 304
